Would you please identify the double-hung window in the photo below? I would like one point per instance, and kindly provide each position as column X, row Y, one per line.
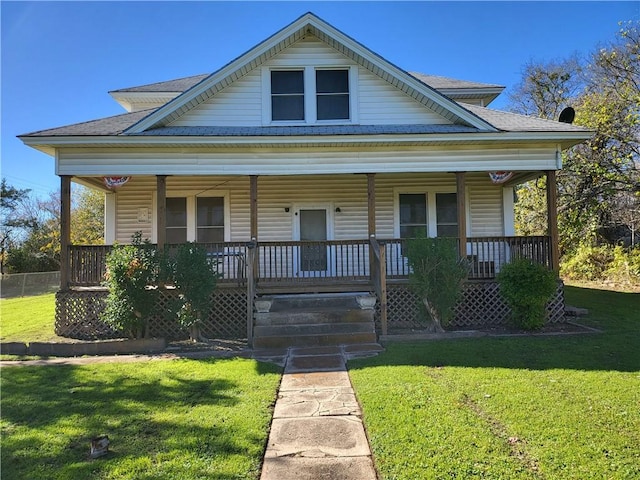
column 429, row 213
column 195, row 218
column 308, row 95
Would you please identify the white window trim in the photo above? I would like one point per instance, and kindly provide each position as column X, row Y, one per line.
column 310, row 110
column 430, row 192
column 191, row 195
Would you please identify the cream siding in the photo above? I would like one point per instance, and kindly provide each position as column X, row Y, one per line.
column 276, row 194
column 241, row 103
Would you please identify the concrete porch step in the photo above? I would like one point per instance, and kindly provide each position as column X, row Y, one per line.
column 315, row 315
column 314, row 340
column 312, row 329
column 316, row 302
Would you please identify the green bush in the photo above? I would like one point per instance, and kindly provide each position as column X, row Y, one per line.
column 527, row 287
column 195, row 279
column 604, row 263
column 131, row 274
column 437, row 276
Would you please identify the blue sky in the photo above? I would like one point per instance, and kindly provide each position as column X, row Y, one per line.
column 59, row 59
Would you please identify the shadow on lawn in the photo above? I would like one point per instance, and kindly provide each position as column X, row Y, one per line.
column 143, row 414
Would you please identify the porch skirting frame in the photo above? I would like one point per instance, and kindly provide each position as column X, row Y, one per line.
column 78, row 315
column 481, row 306
column 78, row 312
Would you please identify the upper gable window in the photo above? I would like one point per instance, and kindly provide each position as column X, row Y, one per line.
column 287, row 95
column 332, row 94
column 308, row 95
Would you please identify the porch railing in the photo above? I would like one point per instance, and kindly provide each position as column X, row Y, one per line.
column 292, row 262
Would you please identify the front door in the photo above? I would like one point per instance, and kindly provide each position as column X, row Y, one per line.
column 312, row 226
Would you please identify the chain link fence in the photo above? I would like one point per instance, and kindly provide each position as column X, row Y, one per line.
column 25, row 284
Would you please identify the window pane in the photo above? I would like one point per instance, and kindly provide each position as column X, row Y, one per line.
column 448, row 230
column 333, row 107
column 413, row 209
column 210, row 211
column 446, row 208
column 447, row 214
column 413, row 231
column 176, row 235
column 332, row 94
column 287, row 107
column 332, row 81
column 210, row 235
column 176, row 212
column 287, row 82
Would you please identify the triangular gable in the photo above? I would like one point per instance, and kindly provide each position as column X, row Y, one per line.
column 309, row 23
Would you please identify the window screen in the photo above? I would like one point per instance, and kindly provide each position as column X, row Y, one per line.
column 332, row 94
column 447, row 214
column 210, row 219
column 413, row 214
column 176, row 219
column 287, row 95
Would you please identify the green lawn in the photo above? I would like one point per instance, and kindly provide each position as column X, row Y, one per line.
column 28, row 319
column 180, row 419
column 514, row 408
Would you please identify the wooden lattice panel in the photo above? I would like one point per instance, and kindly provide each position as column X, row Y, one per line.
column 481, row 306
column 78, row 316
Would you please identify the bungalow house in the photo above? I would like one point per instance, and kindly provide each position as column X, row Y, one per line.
column 302, row 165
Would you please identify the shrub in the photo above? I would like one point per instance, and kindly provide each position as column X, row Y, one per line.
column 131, row 273
column 527, row 287
column 437, row 276
column 604, row 263
column 195, row 279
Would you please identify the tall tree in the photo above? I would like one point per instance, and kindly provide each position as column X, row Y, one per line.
column 11, row 222
column 606, row 95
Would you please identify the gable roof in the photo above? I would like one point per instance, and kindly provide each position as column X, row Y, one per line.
column 310, row 24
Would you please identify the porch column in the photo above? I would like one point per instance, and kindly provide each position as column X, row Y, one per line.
column 161, row 218
column 253, row 205
column 552, row 219
column 65, row 230
column 462, row 217
column 371, row 203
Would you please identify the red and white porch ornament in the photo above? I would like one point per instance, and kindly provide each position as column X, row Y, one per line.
column 500, row 177
column 115, row 182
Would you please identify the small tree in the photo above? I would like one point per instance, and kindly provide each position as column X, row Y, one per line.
column 437, row 276
column 527, row 287
column 195, row 279
column 131, row 273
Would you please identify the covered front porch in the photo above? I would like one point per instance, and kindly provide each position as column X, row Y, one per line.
column 257, row 267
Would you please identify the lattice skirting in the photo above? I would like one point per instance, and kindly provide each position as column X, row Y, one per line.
column 481, row 305
column 78, row 316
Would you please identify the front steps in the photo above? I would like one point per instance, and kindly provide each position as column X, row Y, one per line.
column 313, row 320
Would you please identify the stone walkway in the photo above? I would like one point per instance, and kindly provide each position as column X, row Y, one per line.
column 317, row 430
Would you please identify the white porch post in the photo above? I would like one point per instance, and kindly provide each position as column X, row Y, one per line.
column 462, row 220
column 65, row 230
column 161, row 211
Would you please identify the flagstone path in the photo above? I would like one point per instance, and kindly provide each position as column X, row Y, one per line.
column 317, row 430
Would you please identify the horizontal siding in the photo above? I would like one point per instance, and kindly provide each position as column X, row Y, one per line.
column 240, row 103
column 275, row 194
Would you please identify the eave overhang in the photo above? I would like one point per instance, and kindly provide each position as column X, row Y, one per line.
column 563, row 139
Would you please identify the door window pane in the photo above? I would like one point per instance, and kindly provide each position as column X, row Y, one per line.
column 287, row 95
column 210, row 219
column 176, row 219
column 413, row 214
column 332, row 94
column 447, row 214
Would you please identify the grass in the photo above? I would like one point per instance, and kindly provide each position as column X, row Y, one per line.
column 517, row 408
column 180, row 419
column 28, row 319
